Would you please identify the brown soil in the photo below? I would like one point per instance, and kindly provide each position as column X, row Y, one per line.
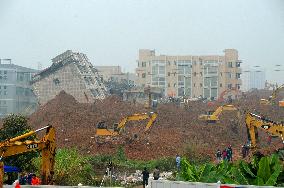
column 177, row 129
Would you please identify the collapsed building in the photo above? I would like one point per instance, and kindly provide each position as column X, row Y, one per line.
column 73, row 73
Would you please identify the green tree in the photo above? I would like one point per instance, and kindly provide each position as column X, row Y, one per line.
column 15, row 125
column 71, row 168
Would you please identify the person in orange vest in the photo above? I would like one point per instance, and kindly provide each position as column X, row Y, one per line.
column 35, row 180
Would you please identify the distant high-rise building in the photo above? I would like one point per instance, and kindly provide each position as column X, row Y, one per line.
column 253, row 79
column 16, row 95
column 189, row 75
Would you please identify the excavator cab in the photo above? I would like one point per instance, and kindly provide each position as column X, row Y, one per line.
column 210, row 112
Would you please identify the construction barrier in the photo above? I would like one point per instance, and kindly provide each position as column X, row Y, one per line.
column 181, row 184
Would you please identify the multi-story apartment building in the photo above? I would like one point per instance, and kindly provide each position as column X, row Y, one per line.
column 190, row 75
column 16, row 94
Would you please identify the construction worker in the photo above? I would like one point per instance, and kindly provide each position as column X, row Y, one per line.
column 178, row 159
column 244, row 152
column 224, row 154
column 230, row 153
column 145, row 177
column 156, row 173
column 219, row 155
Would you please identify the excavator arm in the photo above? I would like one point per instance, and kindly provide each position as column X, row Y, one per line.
column 46, row 145
column 134, row 117
column 121, row 125
column 215, row 115
column 254, row 121
column 272, row 98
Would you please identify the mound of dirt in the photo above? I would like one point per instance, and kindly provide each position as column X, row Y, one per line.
column 176, row 130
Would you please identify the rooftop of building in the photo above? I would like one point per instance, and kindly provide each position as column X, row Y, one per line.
column 13, row 66
column 60, row 61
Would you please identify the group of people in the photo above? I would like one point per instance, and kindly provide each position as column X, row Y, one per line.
column 226, row 154
column 29, row 179
column 156, row 172
column 145, row 175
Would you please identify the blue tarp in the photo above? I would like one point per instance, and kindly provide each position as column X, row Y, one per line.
column 11, row 169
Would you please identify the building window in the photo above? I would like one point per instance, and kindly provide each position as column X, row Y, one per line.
column 238, row 86
column 194, row 74
column 169, row 85
column 175, row 84
column 221, row 74
column 143, row 75
column 230, row 64
column 220, row 84
column 229, row 86
column 229, row 75
column 5, row 92
column 200, row 84
column 169, row 74
column 138, row 63
column 238, row 64
column 194, row 85
column 238, row 75
column 5, row 87
column 175, row 62
column 56, row 81
column 169, row 63
column 143, row 64
column 5, row 72
column 200, row 73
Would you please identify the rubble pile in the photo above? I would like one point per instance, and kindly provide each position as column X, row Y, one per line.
column 175, row 129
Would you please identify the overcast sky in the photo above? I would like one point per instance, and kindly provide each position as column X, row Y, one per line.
column 110, row 32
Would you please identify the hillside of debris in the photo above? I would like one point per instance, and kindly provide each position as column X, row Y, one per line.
column 176, row 130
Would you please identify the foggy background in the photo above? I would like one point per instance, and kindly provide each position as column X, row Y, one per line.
column 110, row 32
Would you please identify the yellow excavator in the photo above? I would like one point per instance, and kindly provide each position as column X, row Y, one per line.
column 254, row 121
column 272, row 98
column 104, row 131
column 213, row 116
column 19, row 145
